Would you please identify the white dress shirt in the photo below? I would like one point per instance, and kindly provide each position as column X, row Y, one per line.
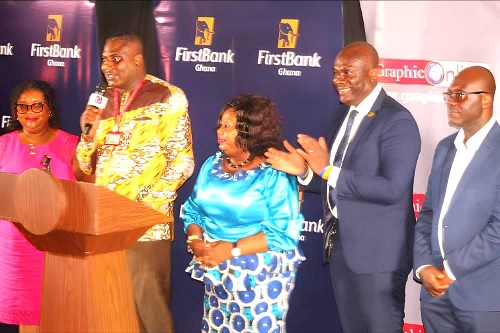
column 363, row 109
column 465, row 153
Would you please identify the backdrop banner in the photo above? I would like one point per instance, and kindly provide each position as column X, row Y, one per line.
column 213, row 50
column 280, row 49
column 418, row 61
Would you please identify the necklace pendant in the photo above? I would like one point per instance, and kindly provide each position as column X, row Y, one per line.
column 32, row 149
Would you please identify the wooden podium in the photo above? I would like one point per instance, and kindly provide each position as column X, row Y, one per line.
column 84, row 230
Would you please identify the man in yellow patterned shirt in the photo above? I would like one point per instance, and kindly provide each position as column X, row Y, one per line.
column 140, row 146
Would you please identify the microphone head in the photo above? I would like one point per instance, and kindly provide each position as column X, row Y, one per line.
column 98, row 100
column 100, row 89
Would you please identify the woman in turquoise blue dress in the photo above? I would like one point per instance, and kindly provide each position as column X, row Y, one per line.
column 243, row 224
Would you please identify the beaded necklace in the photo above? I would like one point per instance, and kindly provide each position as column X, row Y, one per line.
column 231, row 165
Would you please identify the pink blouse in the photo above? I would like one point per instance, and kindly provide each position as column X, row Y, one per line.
column 21, row 264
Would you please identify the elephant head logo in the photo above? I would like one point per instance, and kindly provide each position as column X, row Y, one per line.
column 204, row 31
column 54, row 28
column 288, row 33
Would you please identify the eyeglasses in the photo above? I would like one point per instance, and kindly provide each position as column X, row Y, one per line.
column 35, row 107
column 460, row 96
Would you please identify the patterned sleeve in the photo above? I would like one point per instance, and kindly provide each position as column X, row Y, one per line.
column 84, row 152
column 174, row 133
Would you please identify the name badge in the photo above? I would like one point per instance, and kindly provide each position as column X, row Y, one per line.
column 113, row 138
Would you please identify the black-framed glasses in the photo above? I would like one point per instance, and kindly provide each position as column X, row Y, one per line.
column 460, row 96
column 35, row 107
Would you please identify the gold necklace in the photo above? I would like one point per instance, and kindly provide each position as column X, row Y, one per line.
column 32, row 145
column 231, row 165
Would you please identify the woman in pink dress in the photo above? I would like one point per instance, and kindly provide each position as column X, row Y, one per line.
column 35, row 133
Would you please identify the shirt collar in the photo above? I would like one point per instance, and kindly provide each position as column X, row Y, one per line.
column 366, row 105
column 476, row 140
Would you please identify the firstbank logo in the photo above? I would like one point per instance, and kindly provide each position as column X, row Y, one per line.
column 54, row 28
column 204, row 31
column 288, row 33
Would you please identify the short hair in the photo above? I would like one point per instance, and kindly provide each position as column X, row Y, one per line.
column 257, row 122
column 129, row 37
column 49, row 94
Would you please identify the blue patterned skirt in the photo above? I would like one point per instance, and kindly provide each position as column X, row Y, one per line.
column 248, row 293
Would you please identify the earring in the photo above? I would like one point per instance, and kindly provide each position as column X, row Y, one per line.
column 50, row 115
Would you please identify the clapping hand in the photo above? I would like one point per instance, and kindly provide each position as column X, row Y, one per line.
column 290, row 162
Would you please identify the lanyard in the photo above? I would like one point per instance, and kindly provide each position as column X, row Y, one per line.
column 117, row 113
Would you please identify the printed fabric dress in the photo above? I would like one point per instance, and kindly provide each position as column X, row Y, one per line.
column 248, row 293
column 21, row 264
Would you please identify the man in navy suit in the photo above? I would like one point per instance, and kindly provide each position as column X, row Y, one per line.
column 365, row 173
column 457, row 236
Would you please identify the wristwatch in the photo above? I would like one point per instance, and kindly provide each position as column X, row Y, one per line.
column 235, row 251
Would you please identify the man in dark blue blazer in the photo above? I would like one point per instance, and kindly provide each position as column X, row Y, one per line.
column 457, row 236
column 365, row 173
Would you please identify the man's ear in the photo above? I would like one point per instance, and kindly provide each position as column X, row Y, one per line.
column 373, row 74
column 138, row 60
column 486, row 101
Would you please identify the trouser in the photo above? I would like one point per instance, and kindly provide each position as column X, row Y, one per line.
column 439, row 315
column 150, row 267
column 367, row 302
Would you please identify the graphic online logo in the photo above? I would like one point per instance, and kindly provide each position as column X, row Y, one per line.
column 204, row 31
column 438, row 73
column 288, row 32
column 54, row 28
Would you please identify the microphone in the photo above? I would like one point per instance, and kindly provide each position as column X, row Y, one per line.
column 97, row 100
